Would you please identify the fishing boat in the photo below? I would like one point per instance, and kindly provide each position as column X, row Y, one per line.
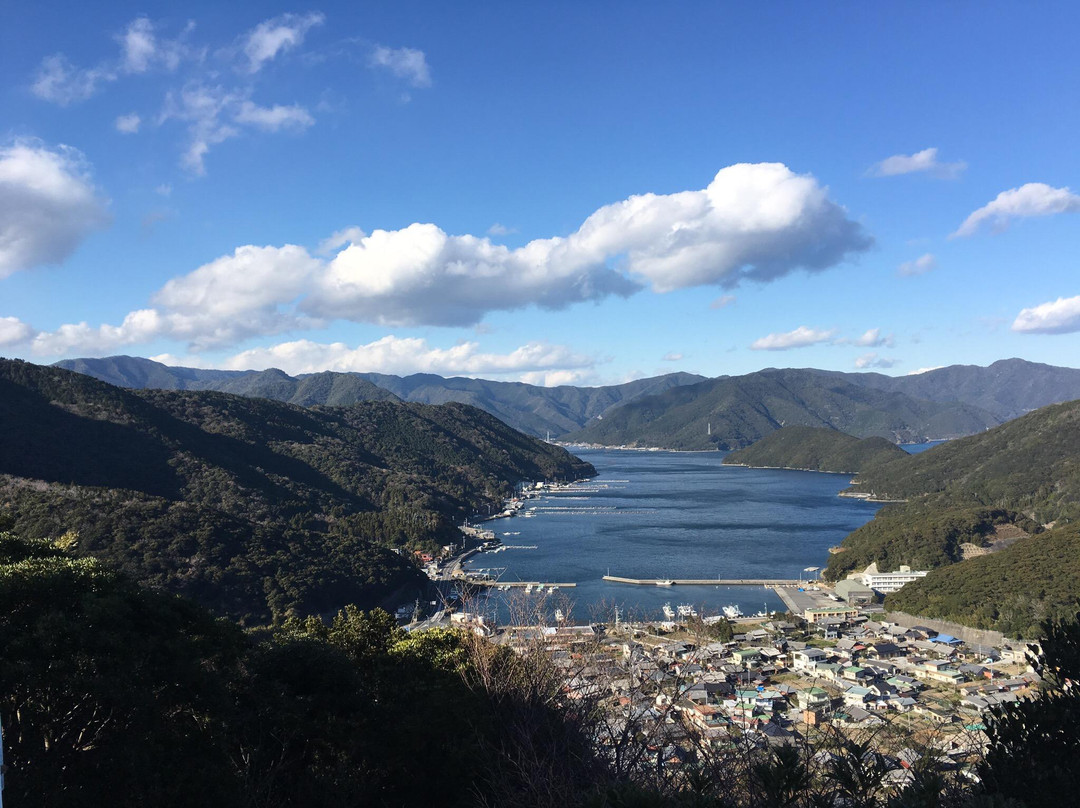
column 669, row 613
column 559, row 616
column 665, row 583
column 731, row 612
column 686, row 610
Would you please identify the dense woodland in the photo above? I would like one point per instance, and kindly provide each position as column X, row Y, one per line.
column 255, row 508
column 815, row 449
column 733, row 412
column 1026, row 474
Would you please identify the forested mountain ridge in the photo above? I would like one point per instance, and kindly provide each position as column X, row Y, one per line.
column 256, row 508
column 815, row 449
column 734, row 411
column 526, row 407
column 1021, row 478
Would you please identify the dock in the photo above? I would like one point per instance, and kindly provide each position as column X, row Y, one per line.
column 617, row 579
column 519, row 584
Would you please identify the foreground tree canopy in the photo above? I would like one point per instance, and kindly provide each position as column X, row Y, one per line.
column 112, row 695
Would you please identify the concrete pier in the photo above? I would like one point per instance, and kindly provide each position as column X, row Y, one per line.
column 617, row 579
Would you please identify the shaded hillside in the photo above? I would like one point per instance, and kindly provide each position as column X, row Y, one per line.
column 1010, row 591
column 526, row 407
column 742, row 409
column 254, row 507
column 815, row 449
column 333, row 389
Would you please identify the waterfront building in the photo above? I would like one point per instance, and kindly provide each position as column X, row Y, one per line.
column 885, row 582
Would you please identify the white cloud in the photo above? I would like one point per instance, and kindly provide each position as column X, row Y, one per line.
column 405, row 63
column 409, row 355
column 1032, row 199
column 277, row 35
column 271, row 119
column 799, row 338
column 722, row 302
column 47, row 205
column 142, row 49
column 62, row 83
column 671, row 357
column 14, row 331
column 1061, row 316
column 557, row 378
column 924, row 370
column 922, row 264
column 165, row 189
column 500, row 230
column 756, row 222
column 923, row 161
column 872, row 360
column 873, row 338
column 338, row 239
column 128, row 124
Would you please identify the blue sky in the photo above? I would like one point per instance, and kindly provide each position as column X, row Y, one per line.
column 558, row 192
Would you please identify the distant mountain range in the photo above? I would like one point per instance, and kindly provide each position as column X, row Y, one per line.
column 528, row 408
column 676, row 410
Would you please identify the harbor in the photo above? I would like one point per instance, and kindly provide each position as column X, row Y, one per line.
column 618, row 579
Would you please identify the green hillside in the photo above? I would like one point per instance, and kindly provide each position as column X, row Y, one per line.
column 1011, row 591
column 255, row 508
column 733, row 412
column 815, row 449
column 1024, row 473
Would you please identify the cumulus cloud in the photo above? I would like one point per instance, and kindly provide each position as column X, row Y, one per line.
column 799, row 338
column 405, row 63
column 1032, row 199
column 1061, row 316
column 722, row 302
column 922, row 264
column 48, row 205
column 128, row 124
column 924, row 161
column 873, row 338
column 14, row 331
column 756, row 222
column 872, row 360
column 277, row 35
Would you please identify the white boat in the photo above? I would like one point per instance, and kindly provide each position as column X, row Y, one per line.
column 669, row 613
column 686, row 610
column 731, row 612
column 559, row 616
column 665, row 583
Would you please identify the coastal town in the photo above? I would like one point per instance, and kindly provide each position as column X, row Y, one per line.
column 833, row 668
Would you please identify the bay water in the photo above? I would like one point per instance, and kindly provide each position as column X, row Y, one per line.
column 670, row 515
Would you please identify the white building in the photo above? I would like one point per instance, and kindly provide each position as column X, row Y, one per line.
column 886, row 582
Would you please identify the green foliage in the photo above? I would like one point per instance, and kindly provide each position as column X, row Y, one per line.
column 744, row 409
column 259, row 510
column 1013, row 591
column 1023, row 473
column 1034, row 744
column 815, row 449
column 924, row 534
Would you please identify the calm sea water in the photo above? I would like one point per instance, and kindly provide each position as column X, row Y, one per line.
column 676, row 515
